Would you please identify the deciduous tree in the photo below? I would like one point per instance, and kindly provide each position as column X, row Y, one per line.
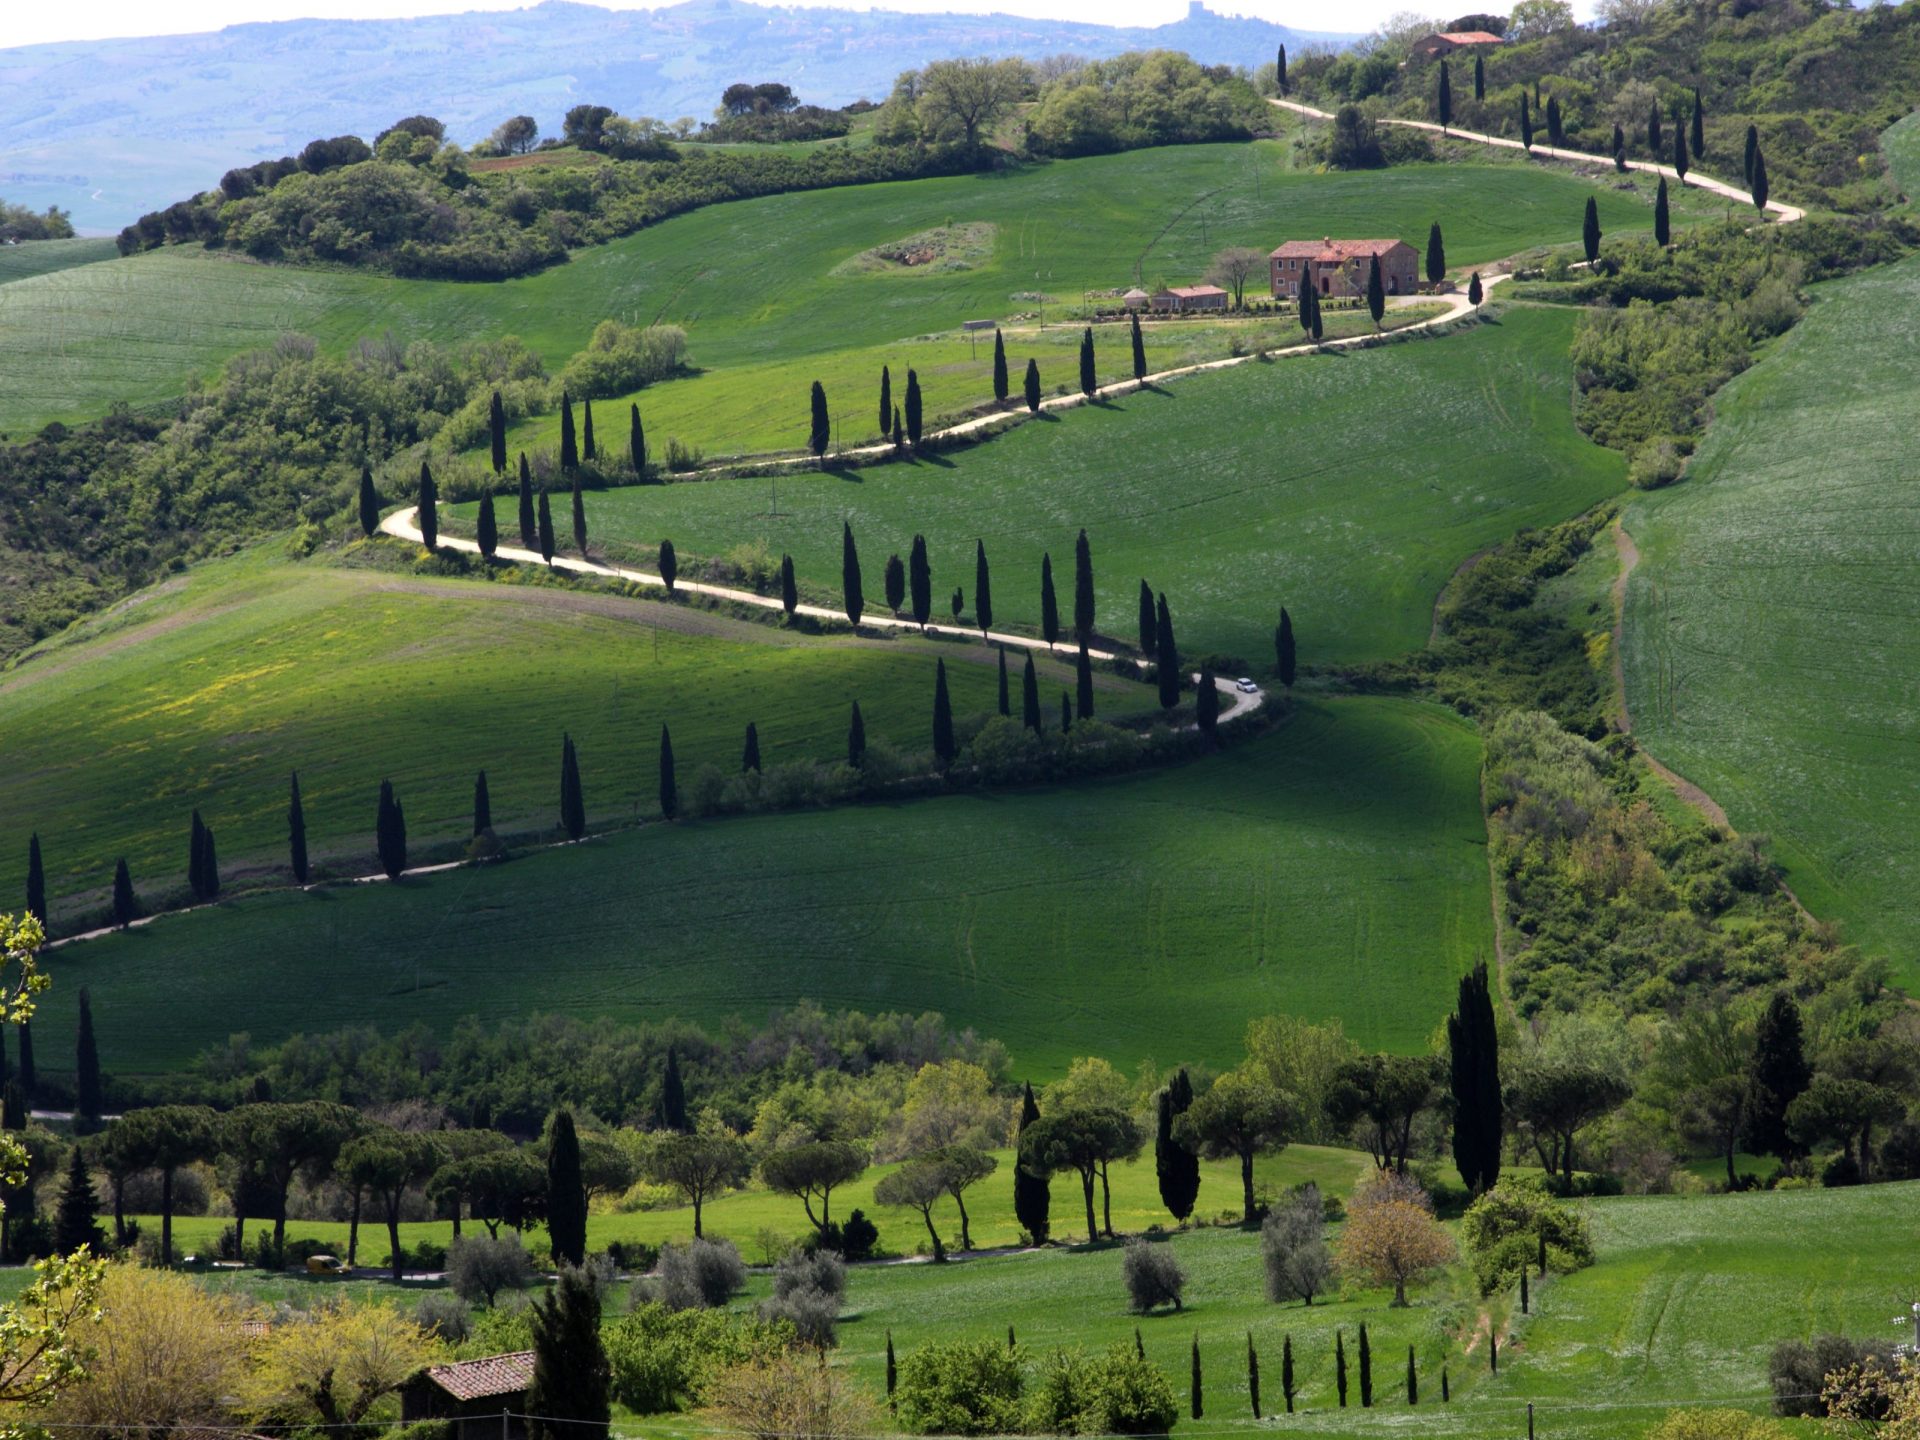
column 1379, row 1097
column 812, row 1171
column 1231, row 269
column 1390, row 1238
column 1084, row 1139
column 970, row 94
column 1241, row 1115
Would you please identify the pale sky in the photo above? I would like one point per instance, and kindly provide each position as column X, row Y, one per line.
column 24, row 22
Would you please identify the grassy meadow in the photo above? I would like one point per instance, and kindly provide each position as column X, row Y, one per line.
column 1345, row 486
column 752, row 281
column 1772, row 620
column 46, row 257
column 1332, row 868
column 205, row 692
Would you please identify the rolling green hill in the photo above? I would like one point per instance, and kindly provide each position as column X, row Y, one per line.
column 1333, row 868
column 1772, row 622
column 45, row 257
column 206, row 691
column 751, row 280
column 1346, row 486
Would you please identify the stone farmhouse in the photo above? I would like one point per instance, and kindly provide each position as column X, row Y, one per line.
column 1338, row 268
column 1446, row 42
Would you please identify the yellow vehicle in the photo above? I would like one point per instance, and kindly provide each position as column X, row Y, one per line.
column 327, row 1265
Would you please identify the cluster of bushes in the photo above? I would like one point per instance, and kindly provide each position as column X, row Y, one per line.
column 1154, row 97
column 985, row 1387
column 622, row 358
column 664, row 1359
column 17, row 222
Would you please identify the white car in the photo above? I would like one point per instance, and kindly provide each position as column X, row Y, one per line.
column 1246, row 686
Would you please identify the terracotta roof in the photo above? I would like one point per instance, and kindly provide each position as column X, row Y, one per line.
column 1471, row 37
column 1195, row 292
column 478, row 1379
column 1333, row 251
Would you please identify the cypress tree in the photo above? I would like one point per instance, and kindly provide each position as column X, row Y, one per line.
column 1280, row 69
column 1619, row 149
column 673, row 1096
column 913, row 408
column 820, row 426
column 1082, row 587
column 296, row 831
column 1413, row 1379
column 982, row 587
column 750, row 752
column 1316, row 320
column 486, row 531
column 482, row 805
column 1066, row 712
column 1031, row 386
column 1366, row 1369
column 1287, row 1390
column 1166, row 656
column 1780, row 1076
column 856, row 739
column 1446, row 1387
column 1139, row 349
column 197, row 858
column 1753, row 149
column 1283, row 651
column 1479, row 77
column 851, row 594
column 1149, row 626
column 1656, row 143
column 893, row 1374
column 1139, row 1345
column 636, row 443
column 588, row 450
column 566, row 1192
column 1759, row 182
column 1340, row 1346
column 546, row 529
column 4, row 1081
column 1443, row 98
column 1524, row 1306
column 29, row 1077
column 1680, row 157
column 669, row 566
column 86, row 1066
column 1542, row 1257
column 999, row 367
column 942, row 716
column 1493, row 1352
column 1662, row 229
column 920, row 581
column 899, row 430
column 789, row 588
column 1049, row 604
column 886, row 398
column 579, row 517
column 1253, row 1376
column 569, row 450
column 76, row 1223
column 1436, row 255
column 1376, row 291
column 1175, row 1166
column 1194, row 1389
column 1030, row 696
column 497, row 434
column 529, row 534
column 1088, row 381
column 573, row 808
column 1590, row 231
column 1206, row 704
column 1473, row 1047
column 390, row 832
column 1083, row 682
column 893, row 580
column 1698, row 134
column 669, row 794
column 429, row 508
column 369, row 503
column 1556, row 131
column 1031, row 1198
column 1475, row 291
column 126, row 909
column 1005, row 708
column 36, row 881
column 209, row 865
column 1526, row 123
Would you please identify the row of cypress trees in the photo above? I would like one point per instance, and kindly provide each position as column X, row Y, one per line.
column 1289, row 1388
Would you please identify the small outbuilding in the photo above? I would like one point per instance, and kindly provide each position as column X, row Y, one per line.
column 1136, row 299
column 1446, row 42
column 1183, row 299
column 485, row 1399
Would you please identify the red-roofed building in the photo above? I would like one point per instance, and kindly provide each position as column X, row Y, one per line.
column 1190, row 297
column 1445, row 42
column 474, row 1395
column 1339, row 267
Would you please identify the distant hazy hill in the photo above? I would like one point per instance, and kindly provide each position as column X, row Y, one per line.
column 111, row 129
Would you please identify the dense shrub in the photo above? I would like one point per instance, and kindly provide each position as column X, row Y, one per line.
column 1293, row 1247
column 662, row 1359
column 444, row 1316
column 1798, row 1369
column 480, row 1267
column 1152, row 1276
column 1115, row 1393
column 702, row 1274
column 1502, row 1230
column 1716, row 1425
column 961, row 1387
column 17, row 222
column 1157, row 97
column 622, row 358
column 808, row 1286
